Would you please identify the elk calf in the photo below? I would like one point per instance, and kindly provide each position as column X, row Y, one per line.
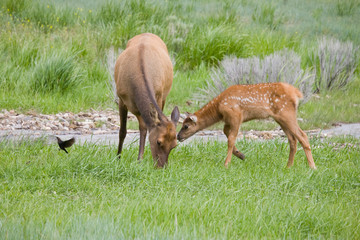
column 242, row 103
column 143, row 77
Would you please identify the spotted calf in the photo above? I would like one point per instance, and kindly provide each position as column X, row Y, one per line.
column 242, row 103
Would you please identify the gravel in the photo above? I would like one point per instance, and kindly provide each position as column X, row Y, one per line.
column 102, row 127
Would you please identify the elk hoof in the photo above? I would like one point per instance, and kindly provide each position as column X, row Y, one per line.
column 239, row 155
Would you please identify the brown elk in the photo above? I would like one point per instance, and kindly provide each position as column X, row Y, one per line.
column 242, row 103
column 143, row 77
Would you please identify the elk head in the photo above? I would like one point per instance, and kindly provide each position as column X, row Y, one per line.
column 188, row 128
column 162, row 137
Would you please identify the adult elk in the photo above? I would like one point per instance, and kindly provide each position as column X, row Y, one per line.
column 143, row 77
column 242, row 103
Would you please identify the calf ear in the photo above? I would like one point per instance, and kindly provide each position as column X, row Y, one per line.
column 193, row 118
column 175, row 115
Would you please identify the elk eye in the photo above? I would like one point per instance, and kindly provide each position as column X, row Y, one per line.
column 186, row 127
column 158, row 142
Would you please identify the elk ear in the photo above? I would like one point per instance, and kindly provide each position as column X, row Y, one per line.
column 175, row 115
column 193, row 118
column 154, row 114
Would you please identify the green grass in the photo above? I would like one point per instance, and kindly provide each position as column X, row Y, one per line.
column 90, row 194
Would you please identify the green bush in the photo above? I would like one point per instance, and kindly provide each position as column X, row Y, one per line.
column 209, row 45
column 56, row 72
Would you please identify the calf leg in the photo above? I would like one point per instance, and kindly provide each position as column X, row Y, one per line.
column 232, row 120
column 293, row 146
column 122, row 132
column 235, row 151
column 293, row 128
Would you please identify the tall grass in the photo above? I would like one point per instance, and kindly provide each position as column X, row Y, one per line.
column 346, row 8
column 266, row 14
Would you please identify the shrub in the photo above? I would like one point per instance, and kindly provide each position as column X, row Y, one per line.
column 56, row 72
column 282, row 66
column 337, row 63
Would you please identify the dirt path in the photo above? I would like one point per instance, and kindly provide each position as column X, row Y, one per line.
column 102, row 127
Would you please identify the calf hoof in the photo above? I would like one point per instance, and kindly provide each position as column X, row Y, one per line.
column 239, row 155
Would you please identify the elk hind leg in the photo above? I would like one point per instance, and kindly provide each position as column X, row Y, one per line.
column 143, row 132
column 122, row 132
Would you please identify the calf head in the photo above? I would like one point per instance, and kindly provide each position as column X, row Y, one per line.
column 188, row 128
column 162, row 138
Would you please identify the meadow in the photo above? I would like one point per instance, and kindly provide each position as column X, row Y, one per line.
column 55, row 58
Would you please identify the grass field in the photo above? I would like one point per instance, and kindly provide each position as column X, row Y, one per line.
column 90, row 194
column 54, row 59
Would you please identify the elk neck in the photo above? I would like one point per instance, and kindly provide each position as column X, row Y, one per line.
column 145, row 96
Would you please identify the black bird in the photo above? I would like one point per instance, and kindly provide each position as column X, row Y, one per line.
column 65, row 144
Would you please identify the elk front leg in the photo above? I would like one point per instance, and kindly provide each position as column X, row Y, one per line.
column 143, row 131
column 122, row 132
column 235, row 151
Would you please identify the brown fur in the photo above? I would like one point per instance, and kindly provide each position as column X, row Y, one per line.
column 242, row 103
column 143, row 77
